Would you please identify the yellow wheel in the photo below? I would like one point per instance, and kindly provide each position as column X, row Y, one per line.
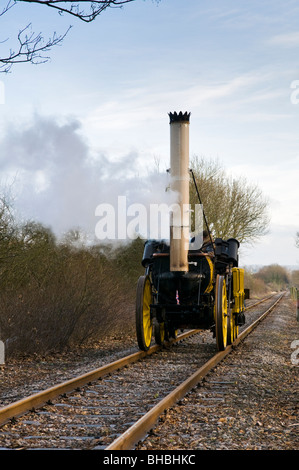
column 221, row 313
column 159, row 332
column 174, row 334
column 232, row 327
column 144, row 323
column 171, row 333
column 236, row 330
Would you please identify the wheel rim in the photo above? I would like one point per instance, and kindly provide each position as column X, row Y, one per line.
column 230, row 328
column 144, row 323
column 232, row 331
column 221, row 313
column 146, row 313
column 224, row 312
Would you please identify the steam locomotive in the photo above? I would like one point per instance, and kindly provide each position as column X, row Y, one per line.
column 209, row 296
column 183, row 288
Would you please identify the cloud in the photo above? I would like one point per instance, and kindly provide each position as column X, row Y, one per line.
column 140, row 107
column 285, row 40
column 60, row 180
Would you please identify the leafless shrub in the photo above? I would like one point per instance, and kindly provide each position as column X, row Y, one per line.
column 257, row 287
column 56, row 295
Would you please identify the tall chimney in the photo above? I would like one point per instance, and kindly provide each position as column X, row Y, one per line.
column 179, row 172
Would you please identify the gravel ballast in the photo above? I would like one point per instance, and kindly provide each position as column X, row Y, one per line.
column 249, row 402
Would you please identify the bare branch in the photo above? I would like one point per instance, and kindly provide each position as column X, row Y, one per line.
column 234, row 208
column 32, row 48
column 87, row 13
column 9, row 5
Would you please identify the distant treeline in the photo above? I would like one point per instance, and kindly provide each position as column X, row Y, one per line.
column 270, row 278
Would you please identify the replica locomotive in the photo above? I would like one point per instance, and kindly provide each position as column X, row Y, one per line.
column 185, row 288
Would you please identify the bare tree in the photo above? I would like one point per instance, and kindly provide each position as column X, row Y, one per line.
column 233, row 207
column 297, row 240
column 33, row 47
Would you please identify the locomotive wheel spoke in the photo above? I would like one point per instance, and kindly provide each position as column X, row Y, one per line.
column 221, row 318
column 144, row 323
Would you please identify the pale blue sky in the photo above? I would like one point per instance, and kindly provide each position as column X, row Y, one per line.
column 230, row 63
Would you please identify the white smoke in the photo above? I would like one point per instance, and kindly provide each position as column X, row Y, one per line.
column 60, row 180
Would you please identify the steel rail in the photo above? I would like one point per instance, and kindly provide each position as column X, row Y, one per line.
column 36, row 400
column 139, row 429
column 259, row 302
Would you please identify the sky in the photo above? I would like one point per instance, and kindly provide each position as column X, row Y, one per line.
column 91, row 124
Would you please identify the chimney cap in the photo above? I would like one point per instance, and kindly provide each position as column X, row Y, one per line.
column 179, row 117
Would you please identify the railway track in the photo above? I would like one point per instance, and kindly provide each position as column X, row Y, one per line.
column 113, row 407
